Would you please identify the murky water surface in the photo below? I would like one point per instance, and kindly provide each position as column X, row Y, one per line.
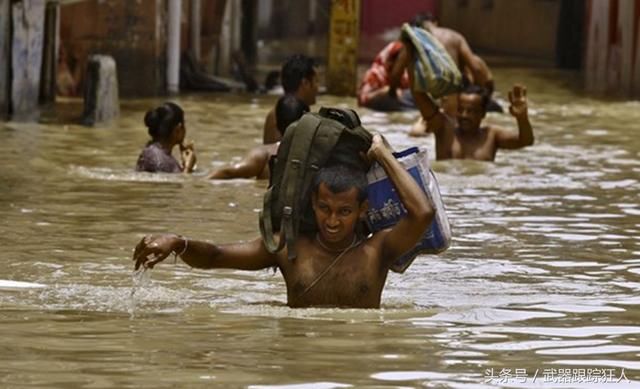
column 541, row 287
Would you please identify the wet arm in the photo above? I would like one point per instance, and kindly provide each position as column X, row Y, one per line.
column 435, row 120
column 481, row 75
column 519, row 110
column 250, row 255
column 473, row 63
column 508, row 140
column 251, row 166
column 429, row 110
column 400, row 66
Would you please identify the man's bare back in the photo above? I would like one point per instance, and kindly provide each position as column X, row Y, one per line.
column 452, row 41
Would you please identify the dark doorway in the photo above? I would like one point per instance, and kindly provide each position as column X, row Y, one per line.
column 570, row 39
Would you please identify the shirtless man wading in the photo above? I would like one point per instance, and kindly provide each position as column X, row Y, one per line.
column 469, row 139
column 335, row 266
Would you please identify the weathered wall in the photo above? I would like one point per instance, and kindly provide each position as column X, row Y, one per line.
column 5, row 64
column 287, row 27
column 522, row 27
column 26, row 56
column 132, row 32
column 381, row 21
column 612, row 62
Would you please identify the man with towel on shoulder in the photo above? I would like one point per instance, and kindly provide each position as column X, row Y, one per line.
column 432, row 74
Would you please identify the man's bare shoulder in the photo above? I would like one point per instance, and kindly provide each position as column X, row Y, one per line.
column 270, row 119
column 448, row 34
column 270, row 130
column 493, row 130
column 272, row 113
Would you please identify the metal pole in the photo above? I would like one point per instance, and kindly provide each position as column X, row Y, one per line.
column 173, row 46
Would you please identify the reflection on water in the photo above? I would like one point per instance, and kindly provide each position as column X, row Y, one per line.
column 543, row 275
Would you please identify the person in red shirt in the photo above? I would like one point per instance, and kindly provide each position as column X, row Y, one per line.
column 375, row 92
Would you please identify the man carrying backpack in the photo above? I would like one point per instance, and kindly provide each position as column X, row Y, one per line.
column 336, row 265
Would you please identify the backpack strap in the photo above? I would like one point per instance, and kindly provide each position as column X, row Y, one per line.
column 271, row 200
column 266, row 225
column 294, row 172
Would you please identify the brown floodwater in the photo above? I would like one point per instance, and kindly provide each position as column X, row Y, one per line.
column 540, row 288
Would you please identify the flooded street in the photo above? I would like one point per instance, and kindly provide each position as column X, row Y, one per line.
column 540, row 288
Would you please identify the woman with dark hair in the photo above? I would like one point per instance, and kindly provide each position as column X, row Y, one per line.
column 166, row 128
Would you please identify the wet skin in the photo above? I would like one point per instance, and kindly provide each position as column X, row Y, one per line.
column 333, row 268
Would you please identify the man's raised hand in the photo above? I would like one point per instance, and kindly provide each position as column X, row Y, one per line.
column 518, row 100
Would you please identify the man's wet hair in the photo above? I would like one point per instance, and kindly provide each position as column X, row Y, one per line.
column 341, row 178
column 472, row 89
column 289, row 108
column 422, row 17
column 162, row 120
column 294, row 70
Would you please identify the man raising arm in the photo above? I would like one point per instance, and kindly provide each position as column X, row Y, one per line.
column 466, row 137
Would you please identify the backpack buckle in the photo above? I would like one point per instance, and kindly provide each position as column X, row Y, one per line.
column 287, row 211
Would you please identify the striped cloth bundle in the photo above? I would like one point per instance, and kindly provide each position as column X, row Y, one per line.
column 435, row 72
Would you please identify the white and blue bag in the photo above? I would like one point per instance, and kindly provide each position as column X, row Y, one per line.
column 386, row 209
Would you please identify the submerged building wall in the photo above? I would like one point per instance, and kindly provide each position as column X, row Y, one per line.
column 132, row 32
column 27, row 19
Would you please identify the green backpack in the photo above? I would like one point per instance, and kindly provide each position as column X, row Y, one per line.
column 332, row 136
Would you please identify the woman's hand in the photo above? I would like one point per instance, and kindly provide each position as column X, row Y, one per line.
column 188, row 156
column 153, row 249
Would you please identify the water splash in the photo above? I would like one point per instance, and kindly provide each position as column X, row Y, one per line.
column 140, row 278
